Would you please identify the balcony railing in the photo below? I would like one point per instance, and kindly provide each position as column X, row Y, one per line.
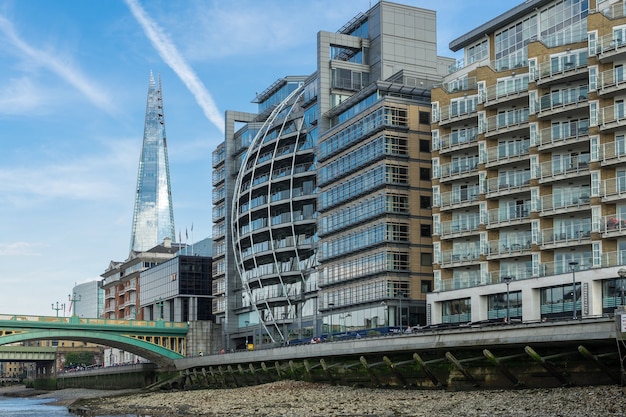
column 560, row 99
column 566, row 165
column 470, row 224
column 458, row 168
column 613, row 151
column 612, row 79
column 508, row 214
column 614, row 11
column 612, row 116
column 565, row 200
column 459, row 197
column 508, row 246
column 557, row 68
column 508, row 183
column 499, row 93
column 454, row 256
column 508, row 120
column 511, row 151
column 459, row 110
column 559, row 134
column 614, row 188
column 614, row 224
column 458, row 139
column 567, row 234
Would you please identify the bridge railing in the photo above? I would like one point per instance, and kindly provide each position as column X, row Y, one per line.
column 94, row 321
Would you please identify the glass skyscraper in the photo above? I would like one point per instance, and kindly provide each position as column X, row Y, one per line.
column 153, row 218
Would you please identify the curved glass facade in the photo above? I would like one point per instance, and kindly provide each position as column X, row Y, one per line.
column 274, row 222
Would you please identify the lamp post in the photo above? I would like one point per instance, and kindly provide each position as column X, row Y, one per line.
column 385, row 318
column 159, row 304
column 73, row 301
column 401, row 294
column 247, row 344
column 57, row 308
column 622, row 275
column 507, row 280
column 573, row 265
column 330, row 319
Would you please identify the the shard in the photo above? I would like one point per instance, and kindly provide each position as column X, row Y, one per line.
column 153, row 218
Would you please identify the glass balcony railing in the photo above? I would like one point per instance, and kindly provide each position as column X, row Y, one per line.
column 469, row 224
column 613, row 151
column 568, row 164
column 458, row 197
column 508, row 151
column 560, row 99
column 614, row 187
column 509, row 213
column 564, row 200
column 513, row 245
column 561, row 133
column 567, row 233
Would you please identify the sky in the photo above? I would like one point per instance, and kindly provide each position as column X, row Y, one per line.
column 73, row 84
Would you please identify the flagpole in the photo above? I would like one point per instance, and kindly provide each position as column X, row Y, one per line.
column 192, row 239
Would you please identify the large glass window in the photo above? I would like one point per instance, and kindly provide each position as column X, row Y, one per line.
column 497, row 305
column 559, row 301
column 456, row 311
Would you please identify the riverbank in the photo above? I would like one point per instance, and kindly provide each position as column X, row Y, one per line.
column 64, row 397
column 296, row 398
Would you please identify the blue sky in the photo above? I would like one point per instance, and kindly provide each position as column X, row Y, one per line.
column 73, row 83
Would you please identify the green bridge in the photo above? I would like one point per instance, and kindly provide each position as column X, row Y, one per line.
column 158, row 341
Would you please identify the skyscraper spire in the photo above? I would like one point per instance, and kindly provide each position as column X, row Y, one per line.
column 153, row 218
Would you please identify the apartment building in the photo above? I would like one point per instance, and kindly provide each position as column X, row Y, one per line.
column 529, row 167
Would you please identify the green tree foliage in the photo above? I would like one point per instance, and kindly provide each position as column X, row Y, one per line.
column 79, row 358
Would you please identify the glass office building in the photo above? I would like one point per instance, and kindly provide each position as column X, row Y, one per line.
column 305, row 188
column 153, row 217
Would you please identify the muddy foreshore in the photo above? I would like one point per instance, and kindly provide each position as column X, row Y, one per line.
column 297, row 398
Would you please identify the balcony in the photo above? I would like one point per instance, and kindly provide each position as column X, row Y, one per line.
column 613, row 225
column 457, row 141
column 613, row 189
column 508, row 184
column 456, row 258
column 612, row 117
column 458, row 112
column 613, row 152
column 564, row 135
column 562, row 69
column 564, row 102
column 508, row 152
column 504, row 248
column 515, row 274
column 612, row 82
column 456, row 170
column 468, row 279
column 497, row 95
column 507, row 122
column 459, row 198
column 566, row 167
column 458, row 228
column 564, row 202
column 567, row 235
column 611, row 48
column 508, row 215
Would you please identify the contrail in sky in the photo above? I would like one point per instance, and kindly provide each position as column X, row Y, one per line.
column 71, row 75
column 174, row 59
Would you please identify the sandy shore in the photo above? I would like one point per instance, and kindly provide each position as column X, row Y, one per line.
column 296, row 398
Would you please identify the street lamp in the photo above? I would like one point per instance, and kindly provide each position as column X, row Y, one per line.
column 622, row 275
column 159, row 304
column 57, row 308
column 573, row 265
column 330, row 319
column 507, row 280
column 73, row 301
column 247, row 344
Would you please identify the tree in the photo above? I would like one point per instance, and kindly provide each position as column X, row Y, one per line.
column 79, row 358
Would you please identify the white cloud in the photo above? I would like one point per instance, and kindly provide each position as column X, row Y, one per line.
column 62, row 69
column 20, row 249
column 20, row 96
column 170, row 54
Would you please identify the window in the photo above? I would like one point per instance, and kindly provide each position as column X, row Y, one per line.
column 426, row 259
column 425, row 202
column 425, row 174
column 424, row 145
column 424, row 117
column 426, row 286
column 425, row 230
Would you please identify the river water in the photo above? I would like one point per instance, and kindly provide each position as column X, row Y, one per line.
column 34, row 407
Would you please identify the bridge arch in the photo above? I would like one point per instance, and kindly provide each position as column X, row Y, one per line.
column 162, row 357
